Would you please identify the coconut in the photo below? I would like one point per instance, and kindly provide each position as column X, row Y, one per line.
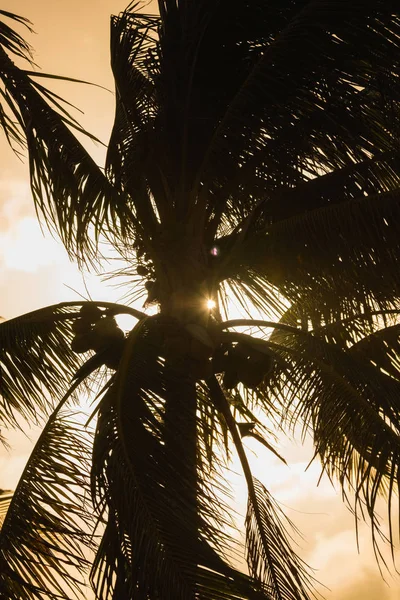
column 82, row 342
column 142, row 270
column 81, row 326
column 91, row 313
column 253, row 370
column 105, row 333
column 113, row 354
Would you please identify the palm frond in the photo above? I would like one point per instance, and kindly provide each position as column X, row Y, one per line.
column 349, row 405
column 11, row 40
column 341, row 259
column 203, row 68
column 320, row 78
column 70, row 190
column 372, row 337
column 269, row 551
column 36, row 358
column 129, row 157
column 381, row 349
column 14, row 43
column 144, row 485
column 46, row 533
column 5, row 499
column 369, row 176
column 270, row 557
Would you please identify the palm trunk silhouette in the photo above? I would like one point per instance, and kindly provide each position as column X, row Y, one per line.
column 181, row 441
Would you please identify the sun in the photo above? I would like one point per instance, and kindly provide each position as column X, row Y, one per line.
column 210, row 304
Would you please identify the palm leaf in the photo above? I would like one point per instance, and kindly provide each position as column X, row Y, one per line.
column 5, row 499
column 13, row 41
column 340, row 259
column 381, row 349
column 271, row 559
column 349, row 405
column 137, row 478
column 269, row 551
column 368, row 176
column 65, row 180
column 133, row 40
column 36, row 359
column 47, row 526
column 300, row 109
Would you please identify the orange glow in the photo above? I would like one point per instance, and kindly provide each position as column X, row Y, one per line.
column 210, row 304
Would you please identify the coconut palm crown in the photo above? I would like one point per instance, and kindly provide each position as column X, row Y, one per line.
column 255, row 156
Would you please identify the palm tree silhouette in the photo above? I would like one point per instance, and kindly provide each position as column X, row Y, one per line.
column 254, row 156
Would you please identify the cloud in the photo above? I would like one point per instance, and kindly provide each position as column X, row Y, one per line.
column 367, row 585
column 24, row 248
column 13, row 461
column 15, row 201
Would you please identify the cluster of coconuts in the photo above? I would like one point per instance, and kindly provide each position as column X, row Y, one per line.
column 193, row 350
column 189, row 348
column 241, row 363
column 98, row 331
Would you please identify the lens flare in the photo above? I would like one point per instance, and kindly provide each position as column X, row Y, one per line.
column 210, row 304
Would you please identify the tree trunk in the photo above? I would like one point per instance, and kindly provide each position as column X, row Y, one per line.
column 181, row 454
column 183, row 299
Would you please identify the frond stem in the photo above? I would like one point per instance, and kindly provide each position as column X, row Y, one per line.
column 258, row 323
column 118, row 309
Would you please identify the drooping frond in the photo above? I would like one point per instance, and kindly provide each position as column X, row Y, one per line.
column 70, row 191
column 36, row 358
column 45, row 540
column 270, row 557
column 14, row 43
column 381, row 349
column 11, row 40
column 346, row 401
column 143, row 483
column 269, row 551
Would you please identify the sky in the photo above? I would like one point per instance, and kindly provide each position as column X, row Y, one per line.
column 72, row 39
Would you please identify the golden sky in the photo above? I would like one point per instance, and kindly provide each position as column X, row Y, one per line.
column 72, row 40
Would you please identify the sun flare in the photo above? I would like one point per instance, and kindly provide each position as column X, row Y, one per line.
column 210, row 304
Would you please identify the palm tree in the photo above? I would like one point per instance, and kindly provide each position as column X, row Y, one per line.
column 254, row 156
